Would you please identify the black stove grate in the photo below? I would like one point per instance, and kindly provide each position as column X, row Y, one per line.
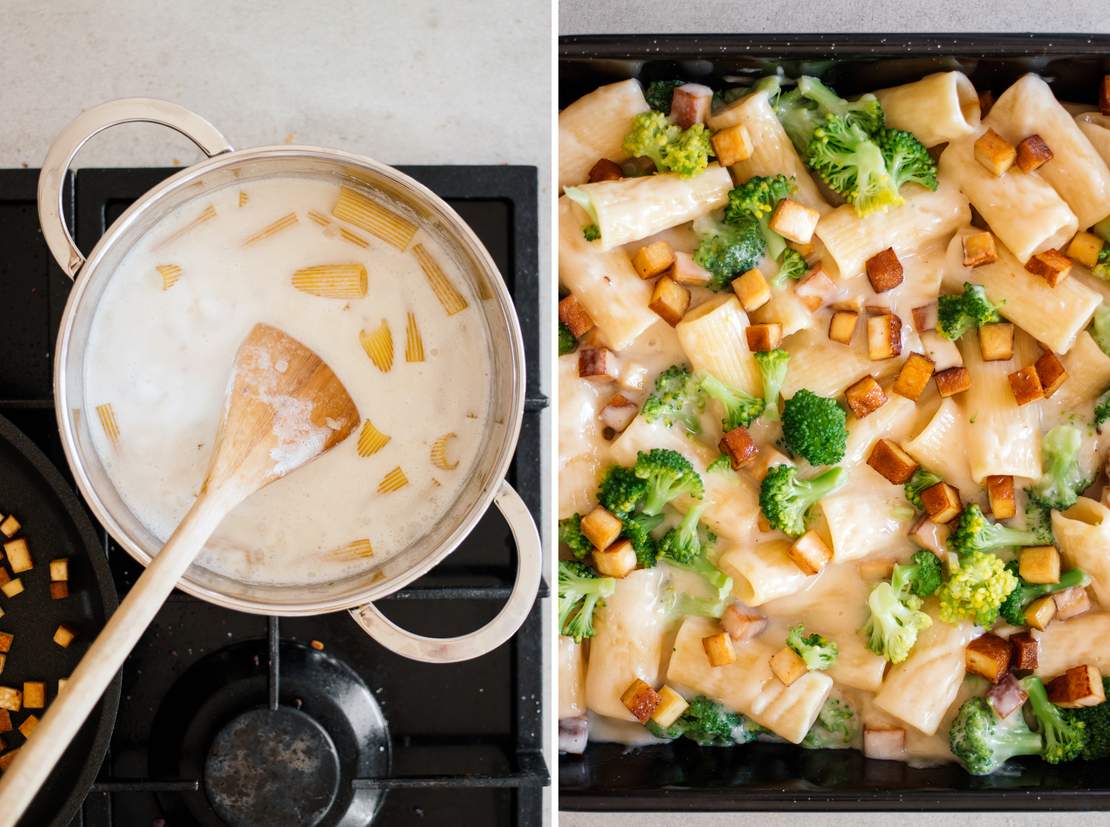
column 466, row 740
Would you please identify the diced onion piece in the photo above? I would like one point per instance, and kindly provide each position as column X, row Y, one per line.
column 355, row 208
column 379, row 346
column 439, row 453
column 170, row 274
column 332, row 281
column 451, row 299
column 370, row 440
column 393, row 481
column 414, row 344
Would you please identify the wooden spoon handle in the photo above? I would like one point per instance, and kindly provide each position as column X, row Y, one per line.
column 37, row 757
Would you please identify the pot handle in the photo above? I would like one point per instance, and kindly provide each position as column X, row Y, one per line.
column 497, row 631
column 84, row 126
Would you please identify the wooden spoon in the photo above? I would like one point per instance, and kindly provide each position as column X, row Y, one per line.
column 284, row 408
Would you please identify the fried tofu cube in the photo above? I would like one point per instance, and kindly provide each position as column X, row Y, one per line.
column 5, row 721
column 616, row 561
column 884, row 270
column 1025, row 651
column 670, row 707
column 925, row 317
column 1071, row 602
column 1104, row 95
column 19, row 555
column 11, row 699
column 794, row 221
column 865, row 396
column 687, row 271
column 809, row 553
column 1007, row 696
column 815, row 288
column 995, row 153
column 6, row 639
column 914, row 376
column 804, row 250
column 752, row 289
column 12, row 588
column 34, row 694
column 598, row 364
column 1084, row 248
column 605, row 170
column 884, row 337
column 979, row 249
column 884, row 743
column 59, row 590
column 788, row 665
column 894, row 464
column 943, row 352
column 1051, row 372
column 1026, row 385
column 59, row 569
column 941, row 502
column 64, row 635
column 763, row 337
column 10, row 526
column 641, row 700
column 988, row 655
column 1079, row 686
column 1040, row 613
column 574, row 316
column 742, row 622
column 652, row 259
column 690, row 104
column 1000, row 492
column 739, row 446
column 1039, row 564
column 952, row 381
column 1033, row 153
column 719, row 649
column 618, row 412
column 1051, row 265
column 7, row 758
column 28, row 725
column 996, row 341
column 930, row 536
column 601, row 528
column 732, row 145
column 670, row 300
column 842, row 326
column 767, row 459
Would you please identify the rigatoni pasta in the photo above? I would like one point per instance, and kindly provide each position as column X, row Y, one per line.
column 936, row 109
column 594, row 127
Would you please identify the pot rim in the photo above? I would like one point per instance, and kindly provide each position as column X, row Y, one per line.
column 461, row 232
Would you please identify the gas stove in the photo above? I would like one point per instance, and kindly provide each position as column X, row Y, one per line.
column 234, row 719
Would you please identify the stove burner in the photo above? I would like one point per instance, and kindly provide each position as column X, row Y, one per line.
column 277, row 767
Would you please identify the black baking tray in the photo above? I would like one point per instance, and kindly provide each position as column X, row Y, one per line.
column 760, row 776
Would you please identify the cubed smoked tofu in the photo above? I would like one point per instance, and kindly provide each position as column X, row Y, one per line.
column 994, row 152
column 809, row 553
column 875, row 568
column 865, row 396
column 1039, row 564
column 1071, row 602
column 1032, row 153
column 787, row 665
column 10, row 526
column 1026, row 385
column 877, row 309
column 690, row 104
column 884, row 337
column 670, row 707
column 11, row 699
column 5, row 721
column 805, row 250
column 767, row 459
column 601, row 528
column 598, row 364
column 794, row 221
column 718, row 648
column 34, row 694
column 852, row 304
column 687, row 271
column 884, row 270
column 12, row 587
column 669, row 300
column 574, row 316
column 989, row 656
column 1104, row 95
column 1000, row 492
column 641, row 700
column 815, row 288
column 742, row 622
column 842, row 326
column 59, row 569
column 1007, row 696
column 979, row 249
column 763, row 337
column 652, row 259
column 925, row 317
column 19, row 555
column 59, row 590
column 1051, row 265
column 914, row 376
column 618, row 412
column 943, row 352
column 752, row 289
column 64, row 635
column 6, row 639
column 732, row 145
column 1085, row 248
column 4, row 576
column 941, row 502
column 605, row 170
column 1051, row 372
column 739, row 446
column 930, row 536
column 884, row 743
column 996, row 341
column 28, row 725
column 1040, row 613
column 894, row 464
column 616, row 561
column 952, row 381
column 1079, row 686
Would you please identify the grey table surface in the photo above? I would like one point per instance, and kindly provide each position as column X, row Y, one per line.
column 719, row 16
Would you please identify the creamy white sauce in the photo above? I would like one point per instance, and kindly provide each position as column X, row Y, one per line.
column 162, row 359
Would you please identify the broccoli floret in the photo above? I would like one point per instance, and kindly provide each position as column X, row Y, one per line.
column 802, row 108
column 1038, row 520
column 570, row 535
column 836, row 727
column 852, row 165
column 792, row 266
column 659, row 93
column 1064, row 738
column 720, row 464
column 785, row 499
column 756, row 199
column 621, row 491
column 1102, row 409
column 1062, row 481
column 740, row 408
column 567, row 342
column 816, row 650
column 977, row 585
column 677, row 398
column 591, row 232
column 974, row 533
column 1102, row 266
column 921, row 576
column 677, row 604
column 983, row 742
column 581, row 591
column 1096, row 719
column 637, row 529
column 865, row 111
column 683, row 546
column 668, row 475
column 673, row 149
column 815, row 427
column 960, row 312
column 709, row 724
column 894, row 621
column 1100, row 328
column 1012, row 609
column 906, row 158
column 920, row 480
column 773, row 365
column 727, row 250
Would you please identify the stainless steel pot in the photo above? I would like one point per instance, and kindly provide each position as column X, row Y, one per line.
column 223, row 167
